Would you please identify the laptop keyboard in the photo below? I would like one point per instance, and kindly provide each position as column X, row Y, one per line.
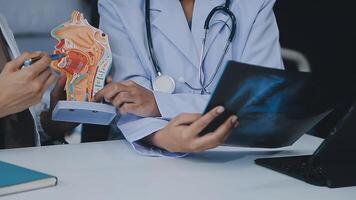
column 298, row 167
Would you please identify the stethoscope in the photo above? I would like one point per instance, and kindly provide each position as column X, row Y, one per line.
column 165, row 83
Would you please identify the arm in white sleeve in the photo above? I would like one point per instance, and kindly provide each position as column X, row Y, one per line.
column 127, row 66
column 135, row 128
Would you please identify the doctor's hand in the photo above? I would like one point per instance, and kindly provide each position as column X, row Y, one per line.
column 130, row 98
column 182, row 133
column 22, row 88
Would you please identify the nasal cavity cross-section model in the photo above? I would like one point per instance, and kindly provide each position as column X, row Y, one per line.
column 88, row 57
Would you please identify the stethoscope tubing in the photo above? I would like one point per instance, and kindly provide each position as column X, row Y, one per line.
column 224, row 9
column 149, row 39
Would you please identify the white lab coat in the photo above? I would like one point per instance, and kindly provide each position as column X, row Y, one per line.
column 178, row 50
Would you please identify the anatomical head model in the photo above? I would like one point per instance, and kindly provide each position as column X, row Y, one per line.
column 88, row 57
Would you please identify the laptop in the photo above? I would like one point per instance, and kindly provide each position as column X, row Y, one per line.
column 275, row 107
column 333, row 164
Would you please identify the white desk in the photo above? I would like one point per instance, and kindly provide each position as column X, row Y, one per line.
column 112, row 170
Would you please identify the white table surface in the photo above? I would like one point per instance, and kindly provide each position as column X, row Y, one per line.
column 112, row 170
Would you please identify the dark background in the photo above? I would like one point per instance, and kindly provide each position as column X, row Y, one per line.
column 324, row 31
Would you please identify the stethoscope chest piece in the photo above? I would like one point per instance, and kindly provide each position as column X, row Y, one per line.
column 164, row 83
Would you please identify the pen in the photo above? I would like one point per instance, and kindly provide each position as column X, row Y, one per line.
column 30, row 61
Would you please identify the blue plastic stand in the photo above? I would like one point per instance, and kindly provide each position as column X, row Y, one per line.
column 84, row 112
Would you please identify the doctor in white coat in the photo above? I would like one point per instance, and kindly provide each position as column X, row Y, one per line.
column 190, row 61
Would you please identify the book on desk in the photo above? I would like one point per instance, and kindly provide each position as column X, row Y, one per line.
column 14, row 179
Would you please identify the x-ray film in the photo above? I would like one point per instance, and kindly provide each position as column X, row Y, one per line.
column 88, row 57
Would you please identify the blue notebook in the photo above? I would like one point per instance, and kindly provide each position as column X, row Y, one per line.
column 14, row 179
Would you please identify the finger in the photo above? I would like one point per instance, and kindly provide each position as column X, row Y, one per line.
column 17, row 63
column 235, row 122
column 98, row 97
column 40, row 81
column 129, row 83
column 128, row 108
column 52, row 78
column 112, row 91
column 42, row 78
column 186, row 118
column 109, row 80
column 41, row 65
column 226, row 127
column 205, row 120
column 217, row 137
column 121, row 98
